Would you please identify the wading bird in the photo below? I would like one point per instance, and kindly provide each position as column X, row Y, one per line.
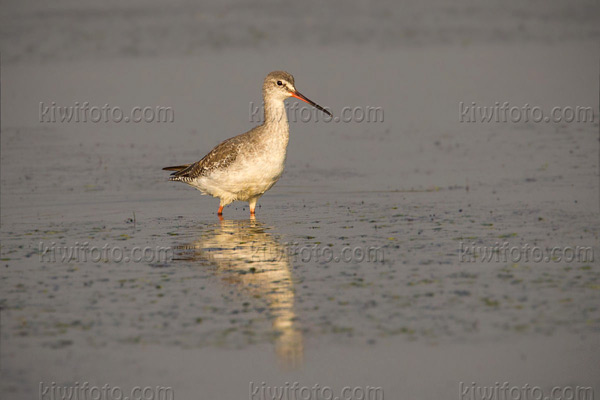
column 244, row 167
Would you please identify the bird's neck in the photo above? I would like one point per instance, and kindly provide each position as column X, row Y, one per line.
column 275, row 114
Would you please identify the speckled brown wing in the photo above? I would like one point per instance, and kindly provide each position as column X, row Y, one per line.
column 220, row 157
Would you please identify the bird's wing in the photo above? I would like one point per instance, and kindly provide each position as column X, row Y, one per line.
column 220, row 157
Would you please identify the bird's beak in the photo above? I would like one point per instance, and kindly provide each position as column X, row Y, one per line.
column 300, row 96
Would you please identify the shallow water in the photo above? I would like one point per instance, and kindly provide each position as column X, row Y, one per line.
column 264, row 300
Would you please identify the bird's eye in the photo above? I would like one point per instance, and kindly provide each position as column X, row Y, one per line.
column 279, row 83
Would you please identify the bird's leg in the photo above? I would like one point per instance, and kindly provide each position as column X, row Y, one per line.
column 252, row 203
column 220, row 212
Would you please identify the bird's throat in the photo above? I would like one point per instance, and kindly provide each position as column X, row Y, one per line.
column 275, row 114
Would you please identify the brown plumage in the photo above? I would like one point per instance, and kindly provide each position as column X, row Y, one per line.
column 176, row 167
column 244, row 167
column 221, row 156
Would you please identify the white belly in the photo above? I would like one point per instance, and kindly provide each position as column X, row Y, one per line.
column 246, row 178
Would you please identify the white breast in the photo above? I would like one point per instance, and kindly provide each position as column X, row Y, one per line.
column 253, row 172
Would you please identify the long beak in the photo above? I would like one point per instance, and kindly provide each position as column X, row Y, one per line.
column 302, row 97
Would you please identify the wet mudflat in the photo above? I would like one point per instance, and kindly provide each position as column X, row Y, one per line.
column 363, row 265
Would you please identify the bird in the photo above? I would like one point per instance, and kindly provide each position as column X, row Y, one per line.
column 244, row 167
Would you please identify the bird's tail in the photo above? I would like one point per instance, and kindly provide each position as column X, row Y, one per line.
column 176, row 167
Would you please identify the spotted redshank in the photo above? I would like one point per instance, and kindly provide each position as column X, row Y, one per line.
column 244, row 167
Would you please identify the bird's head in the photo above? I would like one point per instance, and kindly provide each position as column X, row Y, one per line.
column 280, row 85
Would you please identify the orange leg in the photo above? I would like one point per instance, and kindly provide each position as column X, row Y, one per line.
column 220, row 212
column 252, row 204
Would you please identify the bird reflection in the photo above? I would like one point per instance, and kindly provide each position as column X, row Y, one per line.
column 246, row 246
